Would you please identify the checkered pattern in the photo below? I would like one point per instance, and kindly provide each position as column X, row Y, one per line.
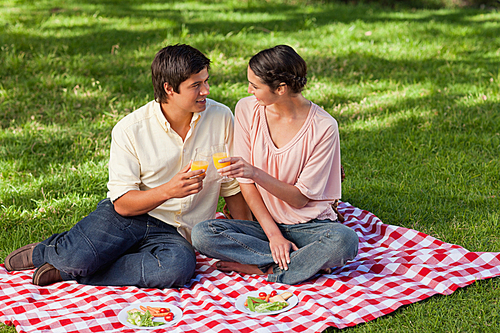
column 395, row 266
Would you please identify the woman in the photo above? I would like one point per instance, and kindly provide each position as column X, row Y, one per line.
column 287, row 160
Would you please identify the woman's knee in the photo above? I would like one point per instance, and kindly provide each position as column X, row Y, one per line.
column 344, row 241
column 203, row 233
column 198, row 234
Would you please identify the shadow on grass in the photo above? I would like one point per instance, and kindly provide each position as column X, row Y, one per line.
column 55, row 188
column 408, row 170
column 98, row 41
column 352, row 69
column 271, row 17
column 267, row 17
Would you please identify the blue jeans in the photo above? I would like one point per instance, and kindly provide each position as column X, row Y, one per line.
column 322, row 244
column 107, row 249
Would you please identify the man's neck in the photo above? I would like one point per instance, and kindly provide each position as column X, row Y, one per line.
column 179, row 121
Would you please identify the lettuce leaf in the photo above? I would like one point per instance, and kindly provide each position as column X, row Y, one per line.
column 268, row 307
column 138, row 318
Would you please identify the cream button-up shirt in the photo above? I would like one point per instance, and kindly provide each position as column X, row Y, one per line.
column 146, row 153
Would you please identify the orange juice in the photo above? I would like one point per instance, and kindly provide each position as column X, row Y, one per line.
column 220, row 156
column 197, row 165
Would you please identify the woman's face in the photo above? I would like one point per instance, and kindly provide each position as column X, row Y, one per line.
column 260, row 90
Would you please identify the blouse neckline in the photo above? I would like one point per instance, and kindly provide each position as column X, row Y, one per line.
column 296, row 137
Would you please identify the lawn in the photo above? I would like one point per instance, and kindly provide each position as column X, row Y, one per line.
column 416, row 93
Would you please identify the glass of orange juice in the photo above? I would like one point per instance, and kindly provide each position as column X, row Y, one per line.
column 201, row 160
column 218, row 153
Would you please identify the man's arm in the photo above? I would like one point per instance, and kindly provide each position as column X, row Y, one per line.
column 238, row 207
column 136, row 202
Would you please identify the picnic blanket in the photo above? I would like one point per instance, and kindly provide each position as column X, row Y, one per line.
column 395, row 266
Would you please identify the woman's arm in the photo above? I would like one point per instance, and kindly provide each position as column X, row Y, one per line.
column 239, row 168
column 279, row 245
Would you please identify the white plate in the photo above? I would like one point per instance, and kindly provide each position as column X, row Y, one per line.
column 123, row 315
column 240, row 303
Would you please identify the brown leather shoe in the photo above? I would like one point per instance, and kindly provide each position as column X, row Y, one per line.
column 21, row 258
column 45, row 275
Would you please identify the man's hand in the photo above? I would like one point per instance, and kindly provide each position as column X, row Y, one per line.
column 185, row 182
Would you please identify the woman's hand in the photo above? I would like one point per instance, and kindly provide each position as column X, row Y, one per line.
column 239, row 168
column 280, row 249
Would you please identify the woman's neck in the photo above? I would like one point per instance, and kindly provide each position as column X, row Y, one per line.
column 295, row 106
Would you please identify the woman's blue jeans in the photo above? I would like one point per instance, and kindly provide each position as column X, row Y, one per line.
column 322, row 244
column 108, row 249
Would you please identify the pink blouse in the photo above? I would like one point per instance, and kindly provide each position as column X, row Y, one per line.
column 310, row 161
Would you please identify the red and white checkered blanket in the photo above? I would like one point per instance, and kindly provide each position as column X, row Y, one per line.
column 395, row 266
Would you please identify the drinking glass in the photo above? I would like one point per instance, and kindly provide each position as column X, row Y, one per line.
column 218, row 153
column 201, row 160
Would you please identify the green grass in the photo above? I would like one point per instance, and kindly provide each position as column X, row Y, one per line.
column 416, row 93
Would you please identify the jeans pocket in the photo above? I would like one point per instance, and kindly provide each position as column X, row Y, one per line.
column 122, row 223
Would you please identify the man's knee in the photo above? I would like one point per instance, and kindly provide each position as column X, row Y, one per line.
column 76, row 257
column 175, row 269
column 181, row 275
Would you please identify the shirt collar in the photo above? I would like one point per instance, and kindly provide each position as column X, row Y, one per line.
column 164, row 122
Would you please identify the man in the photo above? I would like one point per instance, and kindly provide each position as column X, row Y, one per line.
column 135, row 236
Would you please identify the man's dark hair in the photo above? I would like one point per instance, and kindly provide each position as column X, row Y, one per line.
column 280, row 64
column 174, row 64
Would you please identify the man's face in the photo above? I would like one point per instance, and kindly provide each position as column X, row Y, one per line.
column 193, row 92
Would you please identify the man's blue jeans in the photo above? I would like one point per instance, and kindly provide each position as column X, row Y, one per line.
column 322, row 244
column 108, row 249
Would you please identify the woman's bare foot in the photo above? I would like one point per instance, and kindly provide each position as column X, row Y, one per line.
column 229, row 266
column 326, row 271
